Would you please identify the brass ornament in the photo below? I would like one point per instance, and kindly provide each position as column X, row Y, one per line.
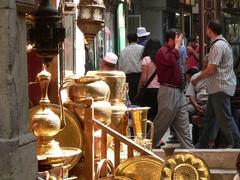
column 140, row 168
column 185, row 166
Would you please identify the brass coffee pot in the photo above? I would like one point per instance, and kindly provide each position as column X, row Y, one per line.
column 45, row 123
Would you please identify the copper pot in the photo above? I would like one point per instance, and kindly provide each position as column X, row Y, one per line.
column 88, row 86
column 116, row 81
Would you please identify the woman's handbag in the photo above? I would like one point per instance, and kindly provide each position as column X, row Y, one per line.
column 142, row 94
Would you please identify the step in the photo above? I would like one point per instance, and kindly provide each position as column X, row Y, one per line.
column 215, row 158
column 222, row 174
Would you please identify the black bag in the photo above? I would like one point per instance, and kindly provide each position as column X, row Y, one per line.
column 142, row 94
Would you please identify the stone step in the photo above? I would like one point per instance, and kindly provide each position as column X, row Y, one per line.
column 222, row 174
column 214, row 158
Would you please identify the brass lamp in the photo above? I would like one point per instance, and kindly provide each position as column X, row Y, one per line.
column 90, row 18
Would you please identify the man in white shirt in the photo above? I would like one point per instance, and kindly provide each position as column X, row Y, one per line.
column 130, row 63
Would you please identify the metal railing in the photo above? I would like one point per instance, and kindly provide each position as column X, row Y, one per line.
column 89, row 125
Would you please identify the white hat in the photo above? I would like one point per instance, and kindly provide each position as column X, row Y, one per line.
column 111, row 58
column 141, row 31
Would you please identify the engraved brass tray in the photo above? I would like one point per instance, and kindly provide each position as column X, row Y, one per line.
column 71, row 135
column 140, row 168
column 185, row 166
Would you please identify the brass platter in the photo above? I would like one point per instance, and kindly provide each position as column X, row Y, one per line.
column 71, row 135
column 140, row 168
column 185, row 166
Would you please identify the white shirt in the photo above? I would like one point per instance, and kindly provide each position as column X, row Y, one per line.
column 130, row 59
column 224, row 79
column 199, row 91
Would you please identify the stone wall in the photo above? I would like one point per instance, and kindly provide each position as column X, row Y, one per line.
column 17, row 145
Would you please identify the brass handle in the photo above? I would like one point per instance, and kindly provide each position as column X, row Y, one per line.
column 100, row 166
column 62, row 116
column 151, row 128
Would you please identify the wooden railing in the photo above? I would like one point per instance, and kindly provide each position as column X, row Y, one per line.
column 89, row 125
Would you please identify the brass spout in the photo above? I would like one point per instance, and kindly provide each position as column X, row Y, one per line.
column 62, row 116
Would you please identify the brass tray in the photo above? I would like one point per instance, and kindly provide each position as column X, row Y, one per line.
column 140, row 168
column 71, row 135
column 185, row 166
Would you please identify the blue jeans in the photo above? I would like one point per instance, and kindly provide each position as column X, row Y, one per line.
column 219, row 108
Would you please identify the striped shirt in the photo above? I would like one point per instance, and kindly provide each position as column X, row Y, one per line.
column 224, row 79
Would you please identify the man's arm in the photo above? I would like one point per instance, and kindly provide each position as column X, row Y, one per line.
column 210, row 70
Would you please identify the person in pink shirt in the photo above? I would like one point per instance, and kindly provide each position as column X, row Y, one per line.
column 148, row 69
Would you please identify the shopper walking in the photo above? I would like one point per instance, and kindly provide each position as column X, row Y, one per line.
column 171, row 98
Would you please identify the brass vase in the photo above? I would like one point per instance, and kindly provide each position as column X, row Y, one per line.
column 119, row 119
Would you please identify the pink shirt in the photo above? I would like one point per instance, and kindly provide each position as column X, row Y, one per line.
column 150, row 70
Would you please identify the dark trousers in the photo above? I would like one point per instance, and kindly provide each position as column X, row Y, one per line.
column 132, row 80
column 219, row 108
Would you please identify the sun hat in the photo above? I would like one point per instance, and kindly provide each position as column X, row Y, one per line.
column 111, row 58
column 141, row 31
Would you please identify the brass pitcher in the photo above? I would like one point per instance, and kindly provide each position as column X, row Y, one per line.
column 140, row 122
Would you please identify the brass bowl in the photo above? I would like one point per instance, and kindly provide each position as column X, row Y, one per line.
column 71, row 155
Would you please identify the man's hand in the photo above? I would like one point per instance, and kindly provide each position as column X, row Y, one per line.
column 190, row 49
column 199, row 108
column 178, row 41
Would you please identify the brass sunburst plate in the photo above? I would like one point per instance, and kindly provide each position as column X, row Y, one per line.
column 185, row 166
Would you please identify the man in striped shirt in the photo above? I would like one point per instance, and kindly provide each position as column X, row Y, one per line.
column 221, row 84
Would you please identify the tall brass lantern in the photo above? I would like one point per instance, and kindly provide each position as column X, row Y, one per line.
column 90, row 18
